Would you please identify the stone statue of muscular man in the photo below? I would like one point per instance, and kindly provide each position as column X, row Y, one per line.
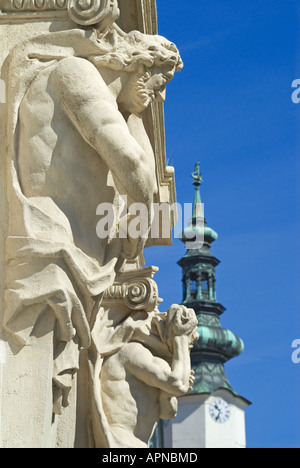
column 75, row 139
column 143, row 367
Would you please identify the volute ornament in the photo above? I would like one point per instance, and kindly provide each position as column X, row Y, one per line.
column 137, row 294
column 89, row 12
column 142, row 295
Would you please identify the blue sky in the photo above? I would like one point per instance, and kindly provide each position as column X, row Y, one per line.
column 231, row 109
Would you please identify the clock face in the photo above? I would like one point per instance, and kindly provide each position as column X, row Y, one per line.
column 219, row 411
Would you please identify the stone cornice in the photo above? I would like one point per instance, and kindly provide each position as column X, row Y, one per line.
column 32, row 9
column 82, row 12
column 33, row 5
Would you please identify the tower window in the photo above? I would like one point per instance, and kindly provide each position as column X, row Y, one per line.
column 193, row 289
column 204, row 285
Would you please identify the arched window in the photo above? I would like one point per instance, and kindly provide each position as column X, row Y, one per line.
column 204, row 285
column 193, row 286
column 193, row 289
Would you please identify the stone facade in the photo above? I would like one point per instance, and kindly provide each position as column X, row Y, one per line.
column 82, row 128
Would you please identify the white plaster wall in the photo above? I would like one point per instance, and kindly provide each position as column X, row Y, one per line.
column 186, row 431
column 194, row 427
column 231, row 434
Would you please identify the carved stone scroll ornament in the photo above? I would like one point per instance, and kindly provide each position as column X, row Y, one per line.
column 139, row 294
column 88, row 12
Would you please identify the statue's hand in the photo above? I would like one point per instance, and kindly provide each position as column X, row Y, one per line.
column 191, row 381
column 185, row 321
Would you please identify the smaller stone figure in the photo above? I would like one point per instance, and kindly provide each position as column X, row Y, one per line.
column 141, row 377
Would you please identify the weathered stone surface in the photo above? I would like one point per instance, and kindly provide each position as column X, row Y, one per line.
column 81, row 128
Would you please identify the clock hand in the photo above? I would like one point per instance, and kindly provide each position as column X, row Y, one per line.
column 219, row 410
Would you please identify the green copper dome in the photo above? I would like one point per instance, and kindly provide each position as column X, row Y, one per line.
column 209, row 377
column 198, row 229
column 218, row 341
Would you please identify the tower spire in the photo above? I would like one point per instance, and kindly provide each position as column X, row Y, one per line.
column 197, row 227
column 216, row 345
column 213, row 416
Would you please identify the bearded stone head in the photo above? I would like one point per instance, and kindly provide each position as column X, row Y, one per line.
column 146, row 62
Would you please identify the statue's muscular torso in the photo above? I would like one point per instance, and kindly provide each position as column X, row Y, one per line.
column 71, row 134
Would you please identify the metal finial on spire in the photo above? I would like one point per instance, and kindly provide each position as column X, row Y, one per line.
column 197, row 224
column 197, row 206
column 197, row 176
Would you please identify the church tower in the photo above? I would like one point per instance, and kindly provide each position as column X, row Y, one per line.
column 213, row 416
